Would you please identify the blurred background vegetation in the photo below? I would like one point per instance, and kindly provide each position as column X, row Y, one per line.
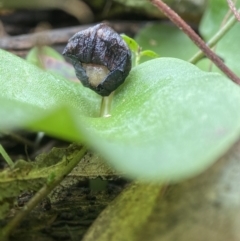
column 18, row 17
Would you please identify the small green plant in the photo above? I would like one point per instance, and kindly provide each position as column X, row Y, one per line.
column 137, row 51
column 169, row 121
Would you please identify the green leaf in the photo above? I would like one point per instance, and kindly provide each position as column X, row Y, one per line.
column 149, row 53
column 166, row 41
column 169, row 120
column 132, row 44
column 26, row 84
column 228, row 47
column 214, row 17
column 216, row 214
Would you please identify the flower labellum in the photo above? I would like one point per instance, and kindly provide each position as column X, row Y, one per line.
column 101, row 58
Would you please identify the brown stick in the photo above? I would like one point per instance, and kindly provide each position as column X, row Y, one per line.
column 59, row 36
column 182, row 25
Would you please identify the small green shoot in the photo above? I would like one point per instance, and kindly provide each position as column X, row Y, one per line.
column 132, row 44
column 149, row 53
column 137, row 50
column 6, row 157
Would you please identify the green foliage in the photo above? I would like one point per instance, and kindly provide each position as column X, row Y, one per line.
column 132, row 44
column 137, row 50
column 228, row 47
column 169, row 120
column 149, row 53
column 166, row 41
column 6, row 156
column 214, row 16
column 157, row 115
column 162, row 114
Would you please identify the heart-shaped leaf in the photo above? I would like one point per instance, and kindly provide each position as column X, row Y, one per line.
column 169, row 120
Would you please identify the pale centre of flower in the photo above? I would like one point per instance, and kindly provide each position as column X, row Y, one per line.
column 96, row 73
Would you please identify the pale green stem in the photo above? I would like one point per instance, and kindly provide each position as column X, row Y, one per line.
column 137, row 57
column 42, row 193
column 106, row 103
column 6, row 157
column 105, row 111
column 214, row 40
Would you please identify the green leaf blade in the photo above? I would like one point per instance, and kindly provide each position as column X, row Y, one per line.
column 132, row 44
column 149, row 53
column 169, row 120
column 172, row 124
column 25, row 83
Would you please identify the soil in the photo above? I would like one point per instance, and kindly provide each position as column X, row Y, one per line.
column 69, row 216
column 72, row 206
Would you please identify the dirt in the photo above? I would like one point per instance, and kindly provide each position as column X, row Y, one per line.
column 67, row 213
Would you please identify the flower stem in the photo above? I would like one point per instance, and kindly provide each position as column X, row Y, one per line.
column 106, row 103
column 214, row 40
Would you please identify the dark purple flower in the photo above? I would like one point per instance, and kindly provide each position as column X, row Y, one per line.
column 101, row 58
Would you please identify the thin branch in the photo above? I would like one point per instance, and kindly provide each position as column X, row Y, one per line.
column 105, row 109
column 182, row 25
column 233, row 9
column 60, row 36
